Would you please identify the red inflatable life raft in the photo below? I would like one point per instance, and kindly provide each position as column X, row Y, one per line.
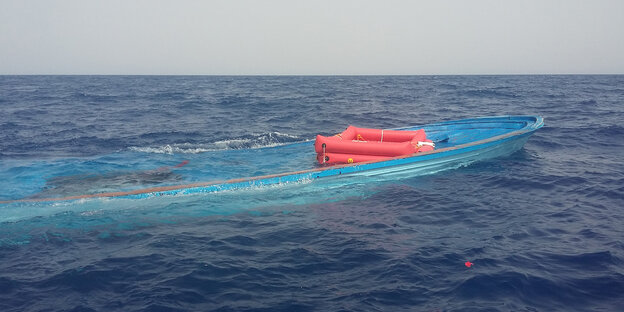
column 360, row 144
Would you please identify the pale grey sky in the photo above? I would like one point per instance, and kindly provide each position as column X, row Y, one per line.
column 311, row 37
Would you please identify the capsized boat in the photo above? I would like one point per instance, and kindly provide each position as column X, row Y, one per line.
column 457, row 143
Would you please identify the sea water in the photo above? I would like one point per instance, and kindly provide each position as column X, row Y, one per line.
column 543, row 227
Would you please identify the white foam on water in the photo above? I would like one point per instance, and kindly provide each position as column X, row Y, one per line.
column 270, row 139
column 171, row 149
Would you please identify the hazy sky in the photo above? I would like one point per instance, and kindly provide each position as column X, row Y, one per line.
column 311, row 37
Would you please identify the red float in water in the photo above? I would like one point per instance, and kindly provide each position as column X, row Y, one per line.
column 181, row 164
column 468, row 264
column 361, row 144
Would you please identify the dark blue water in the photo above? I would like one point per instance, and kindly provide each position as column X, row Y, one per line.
column 544, row 227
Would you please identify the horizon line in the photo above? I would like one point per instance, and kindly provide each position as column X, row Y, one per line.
column 330, row 75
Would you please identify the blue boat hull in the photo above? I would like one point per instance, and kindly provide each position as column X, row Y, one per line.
column 458, row 143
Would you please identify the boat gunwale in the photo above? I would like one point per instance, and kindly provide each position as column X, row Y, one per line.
column 529, row 127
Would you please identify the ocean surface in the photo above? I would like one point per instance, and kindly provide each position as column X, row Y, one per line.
column 543, row 227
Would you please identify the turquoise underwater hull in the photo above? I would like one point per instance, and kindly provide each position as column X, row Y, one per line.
column 458, row 143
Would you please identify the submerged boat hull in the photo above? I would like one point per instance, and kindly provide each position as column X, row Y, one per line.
column 461, row 142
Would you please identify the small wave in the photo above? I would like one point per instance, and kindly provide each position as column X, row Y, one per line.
column 588, row 102
column 480, row 93
column 253, row 141
column 184, row 148
column 94, row 97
